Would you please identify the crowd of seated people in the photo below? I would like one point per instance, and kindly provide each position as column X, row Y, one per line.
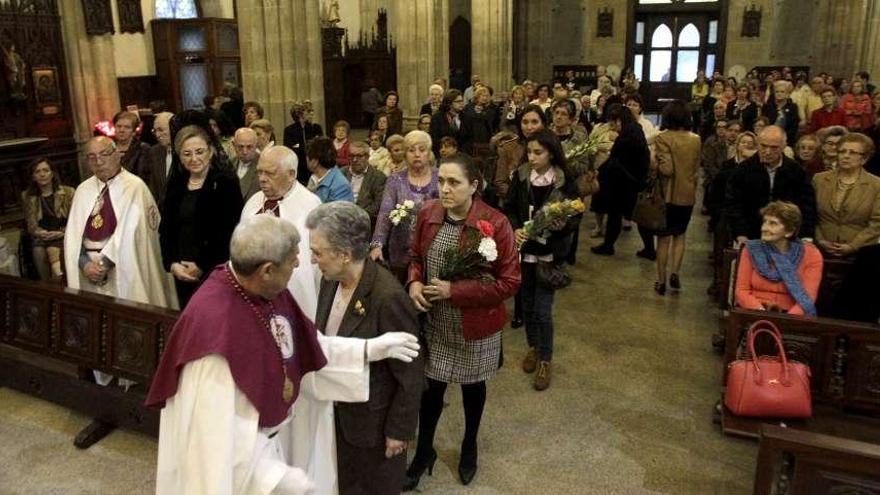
column 786, row 169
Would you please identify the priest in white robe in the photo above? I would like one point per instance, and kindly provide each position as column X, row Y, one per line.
column 111, row 244
column 282, row 196
column 236, row 362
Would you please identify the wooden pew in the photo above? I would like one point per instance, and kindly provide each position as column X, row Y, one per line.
column 797, row 463
column 51, row 328
column 844, row 359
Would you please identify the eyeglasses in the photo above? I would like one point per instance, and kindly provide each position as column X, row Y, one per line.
column 850, row 152
column 101, row 155
column 358, row 156
column 188, row 155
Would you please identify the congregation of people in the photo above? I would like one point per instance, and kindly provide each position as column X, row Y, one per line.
column 425, row 235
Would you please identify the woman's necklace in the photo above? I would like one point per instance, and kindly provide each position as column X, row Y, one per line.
column 288, row 388
column 194, row 184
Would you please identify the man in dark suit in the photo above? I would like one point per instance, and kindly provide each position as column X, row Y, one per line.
column 245, row 164
column 157, row 166
column 367, row 183
column 767, row 176
column 359, row 298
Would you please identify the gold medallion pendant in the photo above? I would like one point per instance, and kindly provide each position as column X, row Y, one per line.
column 97, row 221
column 287, row 392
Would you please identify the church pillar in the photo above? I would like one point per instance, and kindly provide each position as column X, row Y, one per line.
column 839, row 36
column 91, row 72
column 870, row 49
column 492, row 42
column 421, row 34
column 281, row 60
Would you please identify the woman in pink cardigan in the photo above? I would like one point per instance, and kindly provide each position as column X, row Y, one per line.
column 779, row 272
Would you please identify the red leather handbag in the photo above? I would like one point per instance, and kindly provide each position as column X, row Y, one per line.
column 768, row 386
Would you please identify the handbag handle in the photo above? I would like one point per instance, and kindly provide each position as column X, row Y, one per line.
column 762, row 327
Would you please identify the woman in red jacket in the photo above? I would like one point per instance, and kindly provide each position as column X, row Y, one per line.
column 464, row 266
column 857, row 106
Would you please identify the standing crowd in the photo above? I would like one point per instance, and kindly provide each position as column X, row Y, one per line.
column 428, row 233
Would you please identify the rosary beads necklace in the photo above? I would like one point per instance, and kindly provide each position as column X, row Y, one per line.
column 288, row 388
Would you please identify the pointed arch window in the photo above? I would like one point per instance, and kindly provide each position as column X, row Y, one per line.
column 176, row 9
column 661, row 54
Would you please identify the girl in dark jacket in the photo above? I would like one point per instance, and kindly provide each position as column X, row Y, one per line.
column 623, row 176
column 543, row 179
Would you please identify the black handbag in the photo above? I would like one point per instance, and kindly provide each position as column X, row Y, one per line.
column 650, row 210
column 552, row 276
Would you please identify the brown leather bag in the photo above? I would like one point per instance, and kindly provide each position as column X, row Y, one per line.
column 768, row 386
column 588, row 183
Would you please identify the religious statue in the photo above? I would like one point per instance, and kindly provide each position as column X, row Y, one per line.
column 331, row 17
column 15, row 72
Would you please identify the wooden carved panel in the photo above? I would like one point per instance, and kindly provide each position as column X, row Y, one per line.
column 864, row 371
column 133, row 344
column 130, row 18
column 818, row 477
column 99, row 17
column 30, row 322
column 605, row 23
column 751, row 24
column 80, row 332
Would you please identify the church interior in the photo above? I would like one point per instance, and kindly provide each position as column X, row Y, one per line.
column 640, row 401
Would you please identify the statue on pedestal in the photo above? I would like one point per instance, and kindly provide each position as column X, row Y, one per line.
column 331, row 15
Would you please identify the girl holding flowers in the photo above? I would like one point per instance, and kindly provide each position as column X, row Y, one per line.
column 537, row 208
column 464, row 266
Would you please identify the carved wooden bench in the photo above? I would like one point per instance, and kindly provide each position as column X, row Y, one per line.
column 91, row 332
column 844, row 360
column 797, row 462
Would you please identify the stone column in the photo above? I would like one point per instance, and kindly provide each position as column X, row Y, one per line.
column 91, row 72
column 869, row 58
column 839, row 37
column 281, row 60
column 492, row 42
column 421, row 33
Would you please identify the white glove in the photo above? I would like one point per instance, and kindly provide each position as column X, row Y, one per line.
column 294, row 482
column 393, row 345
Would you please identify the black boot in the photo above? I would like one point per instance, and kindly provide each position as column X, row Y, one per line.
column 417, row 468
column 467, row 463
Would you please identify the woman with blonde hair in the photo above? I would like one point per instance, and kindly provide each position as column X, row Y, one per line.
column 393, row 161
column 405, row 192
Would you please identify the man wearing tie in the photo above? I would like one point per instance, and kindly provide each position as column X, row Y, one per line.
column 281, row 195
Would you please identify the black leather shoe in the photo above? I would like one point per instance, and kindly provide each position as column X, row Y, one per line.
column 648, row 255
column 417, row 468
column 603, row 250
column 467, row 464
column 674, row 281
column 660, row 288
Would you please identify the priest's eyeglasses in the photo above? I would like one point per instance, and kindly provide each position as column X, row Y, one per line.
column 198, row 153
column 102, row 155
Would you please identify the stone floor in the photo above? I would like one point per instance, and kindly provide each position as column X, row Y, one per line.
column 629, row 410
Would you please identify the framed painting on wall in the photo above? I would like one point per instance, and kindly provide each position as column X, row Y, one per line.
column 47, row 94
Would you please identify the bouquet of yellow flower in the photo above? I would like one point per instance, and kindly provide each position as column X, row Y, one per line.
column 538, row 228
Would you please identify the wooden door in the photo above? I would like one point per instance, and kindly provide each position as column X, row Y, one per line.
column 668, row 51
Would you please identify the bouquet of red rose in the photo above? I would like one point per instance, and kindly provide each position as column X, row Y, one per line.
column 472, row 258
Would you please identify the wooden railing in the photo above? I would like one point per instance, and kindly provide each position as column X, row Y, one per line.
column 92, row 332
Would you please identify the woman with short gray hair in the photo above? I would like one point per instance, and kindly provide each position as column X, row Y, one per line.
column 358, row 298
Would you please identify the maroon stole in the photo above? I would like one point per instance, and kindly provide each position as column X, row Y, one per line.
column 102, row 222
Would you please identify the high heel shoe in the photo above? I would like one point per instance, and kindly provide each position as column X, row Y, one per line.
column 416, row 469
column 674, row 281
column 467, row 464
column 660, row 288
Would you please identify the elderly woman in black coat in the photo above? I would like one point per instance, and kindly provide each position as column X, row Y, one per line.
column 623, row 176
